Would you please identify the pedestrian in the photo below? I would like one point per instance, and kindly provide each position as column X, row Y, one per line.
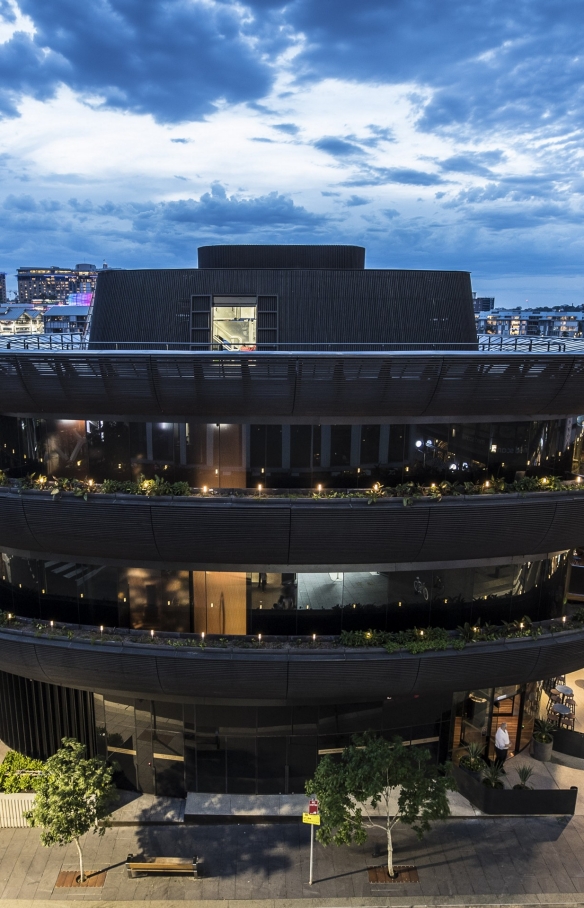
column 502, row 744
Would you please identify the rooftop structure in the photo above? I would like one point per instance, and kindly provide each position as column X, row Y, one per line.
column 286, row 459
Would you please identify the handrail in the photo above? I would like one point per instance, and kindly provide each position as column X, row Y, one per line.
column 490, row 344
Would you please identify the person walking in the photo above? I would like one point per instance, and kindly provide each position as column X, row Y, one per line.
column 502, row 744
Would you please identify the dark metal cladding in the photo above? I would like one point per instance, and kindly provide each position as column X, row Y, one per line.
column 342, row 675
column 207, row 387
column 35, row 716
column 278, row 256
column 235, row 534
column 313, row 306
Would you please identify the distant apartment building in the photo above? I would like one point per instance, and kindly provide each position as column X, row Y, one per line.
column 2, row 287
column 532, row 322
column 482, row 304
column 66, row 319
column 55, row 284
column 20, row 320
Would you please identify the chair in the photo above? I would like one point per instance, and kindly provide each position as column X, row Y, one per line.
column 554, row 697
column 569, row 701
column 568, row 722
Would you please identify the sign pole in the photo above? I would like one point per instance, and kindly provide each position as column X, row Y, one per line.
column 311, row 853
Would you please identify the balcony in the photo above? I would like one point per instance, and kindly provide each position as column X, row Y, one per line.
column 258, row 533
column 349, row 386
column 301, row 672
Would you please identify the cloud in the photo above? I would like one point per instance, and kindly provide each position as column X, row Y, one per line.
column 173, row 60
column 262, row 139
column 218, row 210
column 181, row 141
column 379, row 176
column 355, row 201
column 473, row 162
column 390, row 213
column 339, row 148
column 289, row 128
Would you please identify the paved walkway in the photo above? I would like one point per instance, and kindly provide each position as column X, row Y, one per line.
column 494, row 859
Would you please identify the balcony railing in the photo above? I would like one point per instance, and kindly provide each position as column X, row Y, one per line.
column 485, row 343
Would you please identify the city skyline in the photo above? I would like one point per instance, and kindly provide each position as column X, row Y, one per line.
column 439, row 139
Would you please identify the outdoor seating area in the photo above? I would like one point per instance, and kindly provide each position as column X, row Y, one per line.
column 561, row 705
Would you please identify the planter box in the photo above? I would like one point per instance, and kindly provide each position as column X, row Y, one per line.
column 511, row 802
column 569, row 742
column 12, row 806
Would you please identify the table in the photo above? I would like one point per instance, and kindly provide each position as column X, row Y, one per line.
column 564, row 690
column 561, row 709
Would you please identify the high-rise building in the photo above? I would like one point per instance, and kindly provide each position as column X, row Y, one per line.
column 2, row 286
column 55, row 283
column 482, row 304
column 203, row 614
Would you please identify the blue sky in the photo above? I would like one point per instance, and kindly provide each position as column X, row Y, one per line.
column 438, row 135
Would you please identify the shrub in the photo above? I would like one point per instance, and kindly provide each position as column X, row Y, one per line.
column 15, row 773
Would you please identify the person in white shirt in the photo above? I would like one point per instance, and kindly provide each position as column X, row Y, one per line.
column 502, row 744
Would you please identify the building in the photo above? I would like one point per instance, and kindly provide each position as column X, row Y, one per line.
column 283, row 386
column 532, row 322
column 55, row 283
column 482, row 304
column 66, row 319
column 15, row 319
column 2, row 287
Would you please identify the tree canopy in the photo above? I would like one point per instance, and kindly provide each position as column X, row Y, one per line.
column 74, row 797
column 371, row 772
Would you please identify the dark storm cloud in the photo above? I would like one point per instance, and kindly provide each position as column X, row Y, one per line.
column 493, row 64
column 171, row 59
column 496, row 63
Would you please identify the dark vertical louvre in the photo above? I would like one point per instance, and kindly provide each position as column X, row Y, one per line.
column 201, row 322
column 34, row 716
column 267, row 327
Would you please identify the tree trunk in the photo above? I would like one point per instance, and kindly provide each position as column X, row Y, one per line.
column 389, row 847
column 81, row 873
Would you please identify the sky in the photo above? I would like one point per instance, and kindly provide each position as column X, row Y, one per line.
column 437, row 135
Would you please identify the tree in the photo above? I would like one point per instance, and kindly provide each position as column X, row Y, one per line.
column 374, row 771
column 74, row 796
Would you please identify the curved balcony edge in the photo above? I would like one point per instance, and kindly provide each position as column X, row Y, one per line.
column 229, row 387
column 240, row 534
column 286, row 675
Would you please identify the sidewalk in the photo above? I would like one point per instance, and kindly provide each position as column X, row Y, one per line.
column 499, row 860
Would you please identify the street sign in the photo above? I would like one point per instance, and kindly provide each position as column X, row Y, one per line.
column 313, row 806
column 312, row 818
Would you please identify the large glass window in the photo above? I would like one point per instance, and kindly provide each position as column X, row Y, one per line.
column 234, row 322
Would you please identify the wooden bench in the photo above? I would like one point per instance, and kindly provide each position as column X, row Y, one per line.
column 138, row 863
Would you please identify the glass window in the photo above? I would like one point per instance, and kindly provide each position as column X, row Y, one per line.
column 234, row 322
column 370, row 444
column 340, row 446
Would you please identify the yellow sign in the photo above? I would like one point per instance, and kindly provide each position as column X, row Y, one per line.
column 312, row 818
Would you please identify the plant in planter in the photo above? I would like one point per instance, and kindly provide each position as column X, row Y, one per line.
column 525, row 773
column 543, row 740
column 473, row 761
column 493, row 776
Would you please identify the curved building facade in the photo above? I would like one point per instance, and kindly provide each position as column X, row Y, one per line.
column 202, row 521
